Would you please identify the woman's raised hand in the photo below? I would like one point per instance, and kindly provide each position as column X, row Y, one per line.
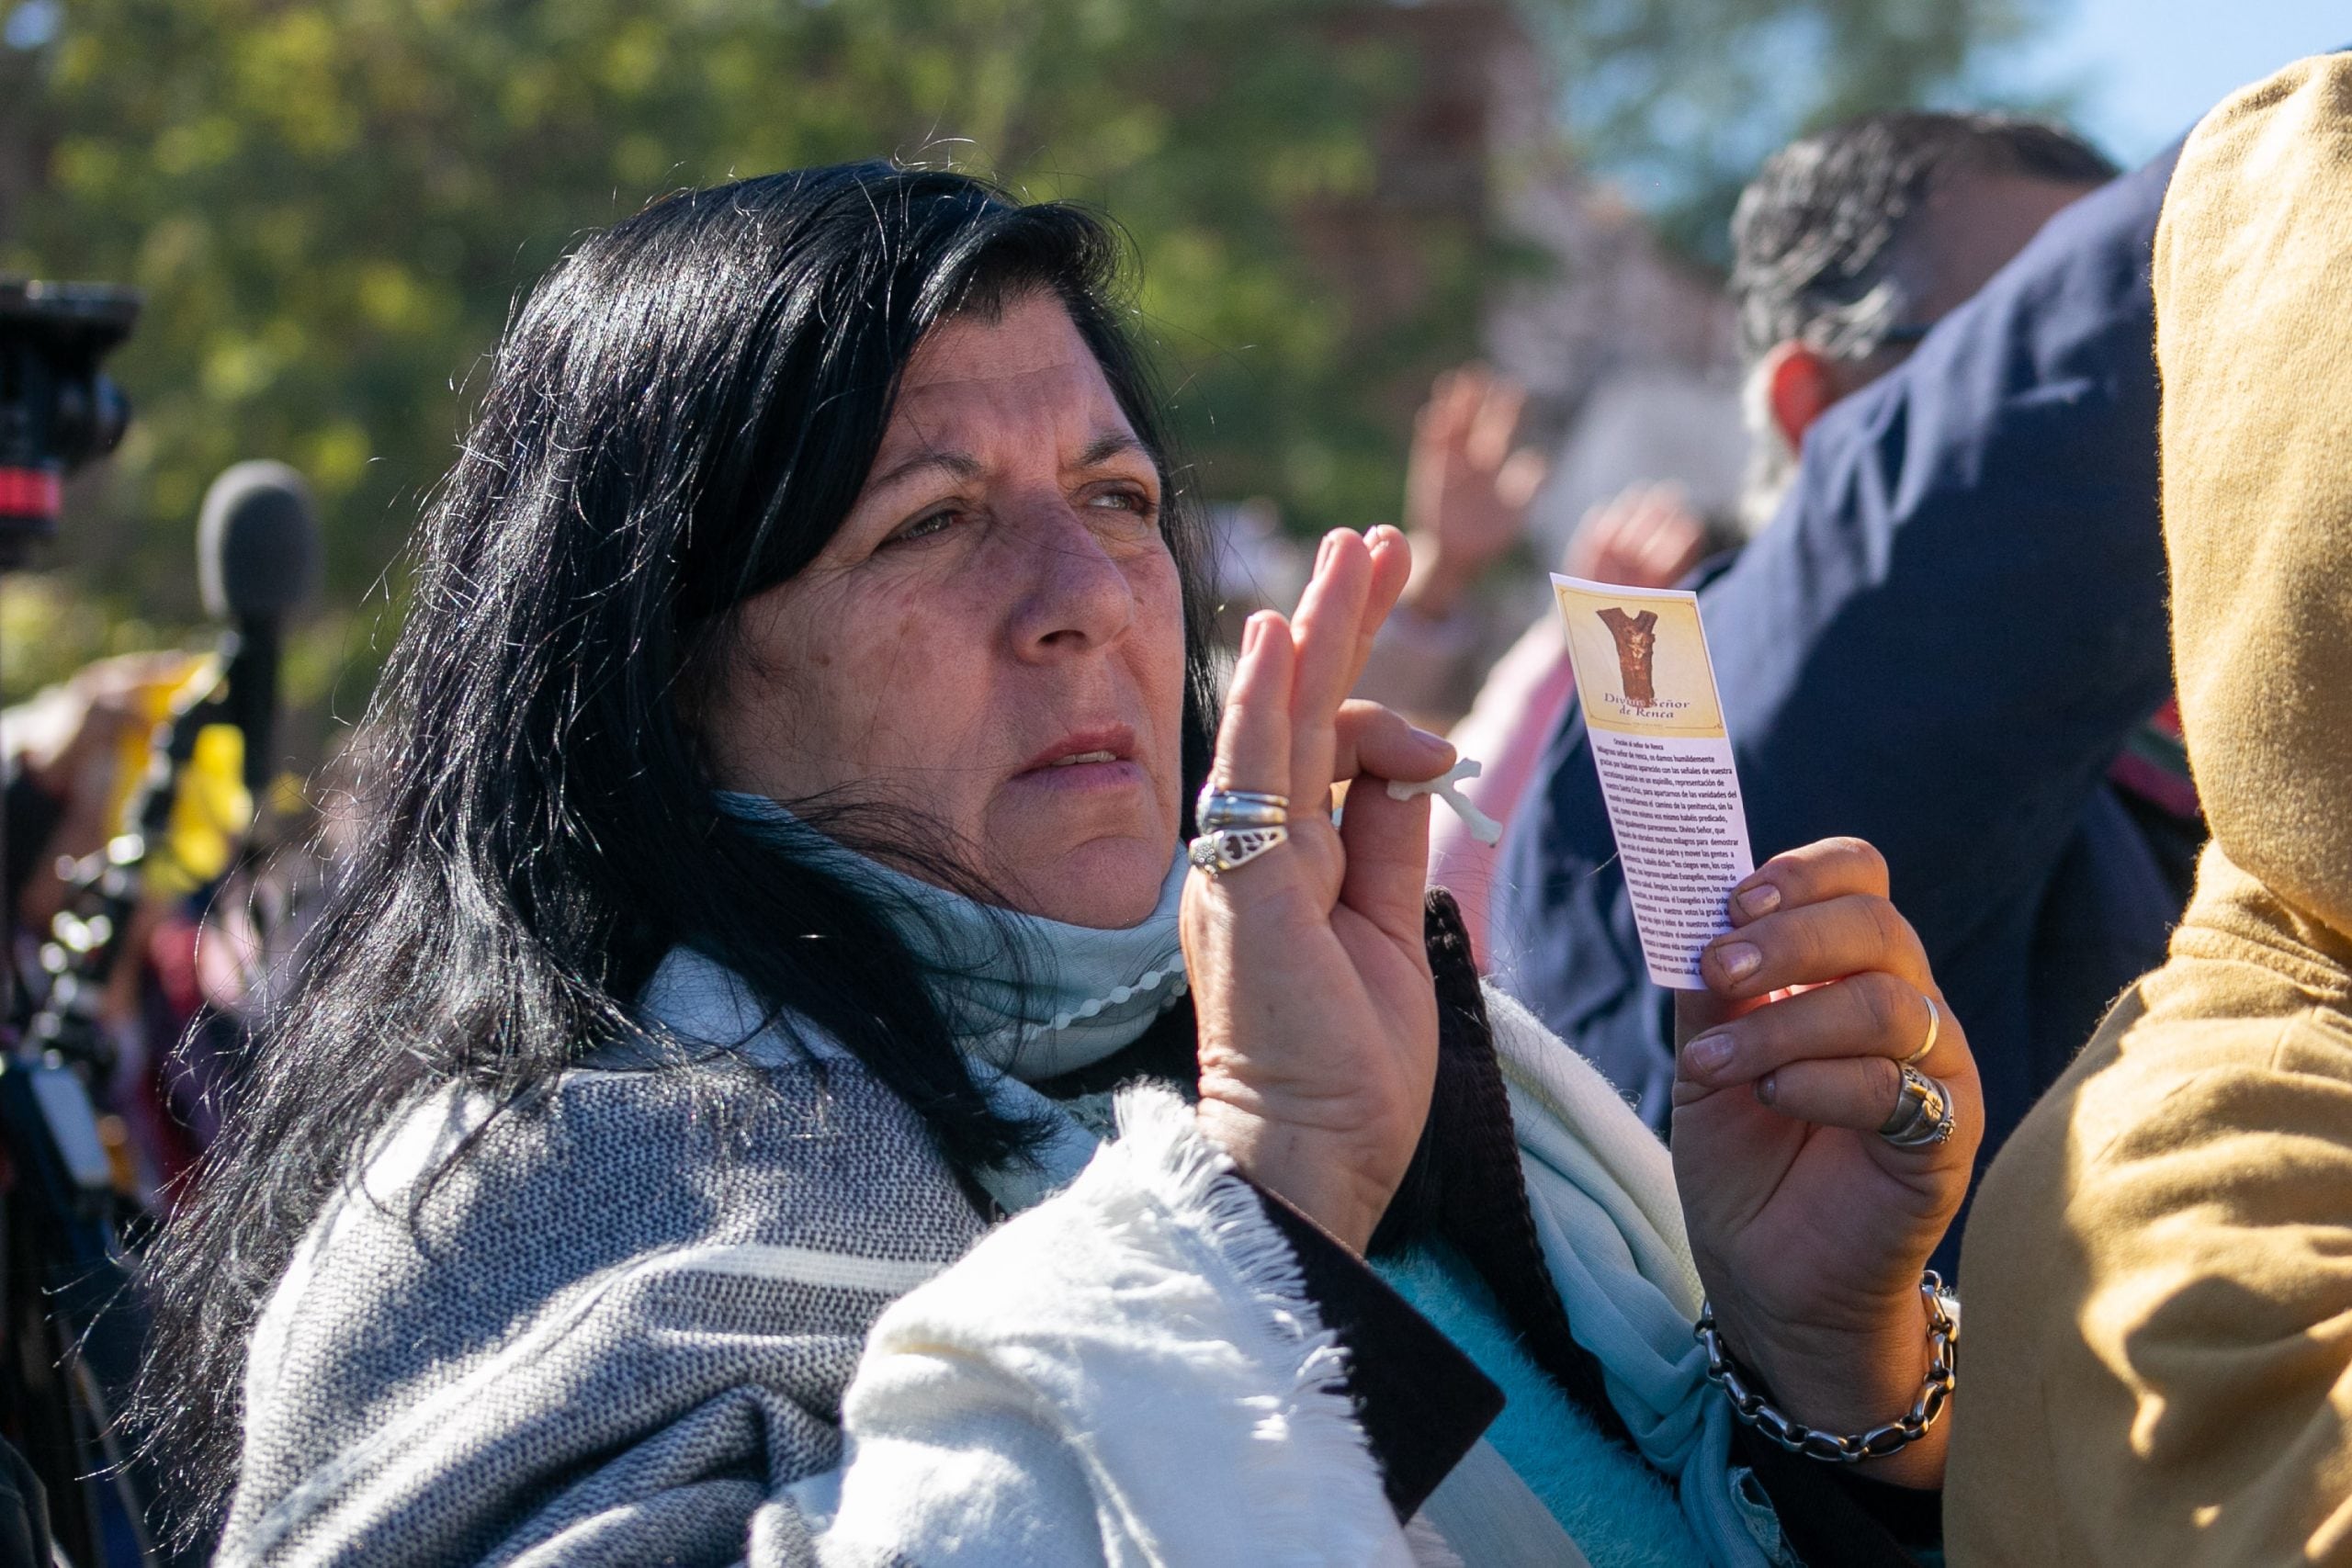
column 1318, row 1015
column 1809, row 1228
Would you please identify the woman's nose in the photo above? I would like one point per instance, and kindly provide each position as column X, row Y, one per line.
column 1074, row 594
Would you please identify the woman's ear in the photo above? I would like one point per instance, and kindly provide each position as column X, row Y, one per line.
column 1798, row 384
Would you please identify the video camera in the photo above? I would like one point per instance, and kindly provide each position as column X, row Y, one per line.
column 73, row 1215
column 58, row 410
column 71, row 1323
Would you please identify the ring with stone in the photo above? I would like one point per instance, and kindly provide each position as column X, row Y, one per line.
column 1923, row 1114
column 1239, row 808
column 1935, row 1025
column 1226, row 849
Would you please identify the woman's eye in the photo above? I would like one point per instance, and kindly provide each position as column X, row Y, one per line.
column 1124, row 500
column 923, row 527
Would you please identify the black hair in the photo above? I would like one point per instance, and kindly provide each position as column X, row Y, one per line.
column 1816, row 229
column 679, row 416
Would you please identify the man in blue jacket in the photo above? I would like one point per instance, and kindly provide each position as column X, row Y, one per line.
column 1950, row 629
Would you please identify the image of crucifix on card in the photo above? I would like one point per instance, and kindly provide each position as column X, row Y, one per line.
column 1655, row 722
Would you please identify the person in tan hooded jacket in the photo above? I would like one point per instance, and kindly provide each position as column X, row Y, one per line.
column 2159, row 1269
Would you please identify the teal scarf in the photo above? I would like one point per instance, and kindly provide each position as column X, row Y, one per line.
column 1029, row 998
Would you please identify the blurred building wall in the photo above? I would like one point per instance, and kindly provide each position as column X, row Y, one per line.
column 1630, row 354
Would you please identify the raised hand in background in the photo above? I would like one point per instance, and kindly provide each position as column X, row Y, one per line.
column 1646, row 536
column 1466, row 487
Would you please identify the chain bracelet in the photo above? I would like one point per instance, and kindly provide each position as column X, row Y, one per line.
column 1754, row 1410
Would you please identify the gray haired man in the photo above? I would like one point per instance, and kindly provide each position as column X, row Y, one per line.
column 1852, row 243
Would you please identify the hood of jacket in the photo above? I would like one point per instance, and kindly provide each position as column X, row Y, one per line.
column 2254, row 338
column 2159, row 1258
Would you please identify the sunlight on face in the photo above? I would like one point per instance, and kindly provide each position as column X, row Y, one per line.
column 995, row 637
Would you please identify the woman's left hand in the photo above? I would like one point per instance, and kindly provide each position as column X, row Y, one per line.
column 1810, row 1230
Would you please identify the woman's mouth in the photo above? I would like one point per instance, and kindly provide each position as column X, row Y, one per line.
column 1097, row 756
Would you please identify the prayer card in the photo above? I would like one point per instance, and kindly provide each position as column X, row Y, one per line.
column 1656, row 725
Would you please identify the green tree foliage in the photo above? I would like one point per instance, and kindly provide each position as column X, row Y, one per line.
column 1680, row 99
column 333, row 203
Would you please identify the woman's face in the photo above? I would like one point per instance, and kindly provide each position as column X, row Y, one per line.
column 995, row 637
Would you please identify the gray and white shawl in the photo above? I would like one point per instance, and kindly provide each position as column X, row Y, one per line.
column 741, row 1312
column 704, row 1316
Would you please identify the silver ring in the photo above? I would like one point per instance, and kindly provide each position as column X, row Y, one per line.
column 1238, row 808
column 1226, row 848
column 1924, row 1113
column 1935, row 1025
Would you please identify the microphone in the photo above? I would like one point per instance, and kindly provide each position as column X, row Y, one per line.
column 257, row 561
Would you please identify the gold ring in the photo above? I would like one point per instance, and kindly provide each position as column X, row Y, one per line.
column 1935, row 1025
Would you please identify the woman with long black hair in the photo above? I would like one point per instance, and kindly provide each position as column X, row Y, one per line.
column 692, row 1137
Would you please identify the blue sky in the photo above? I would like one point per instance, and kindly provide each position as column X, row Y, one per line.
column 2145, row 70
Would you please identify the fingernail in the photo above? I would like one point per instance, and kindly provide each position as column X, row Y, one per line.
column 1251, row 630
column 1768, row 1088
column 1708, row 1053
column 1760, row 900
column 1429, row 742
column 1740, row 959
column 1323, row 551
